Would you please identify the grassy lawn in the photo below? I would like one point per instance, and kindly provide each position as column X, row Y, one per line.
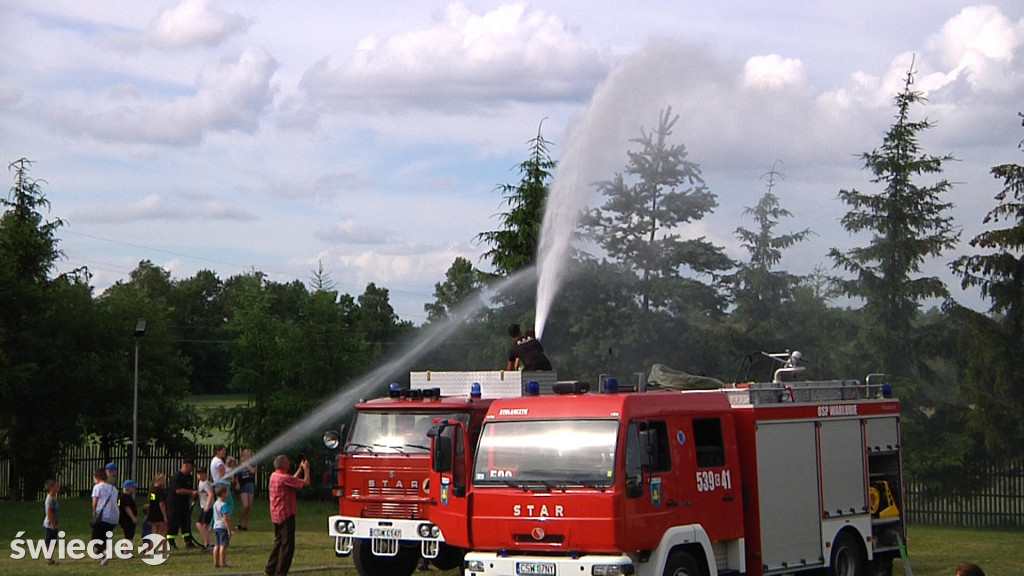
column 936, row 551
column 247, row 552
column 205, row 404
column 933, row 551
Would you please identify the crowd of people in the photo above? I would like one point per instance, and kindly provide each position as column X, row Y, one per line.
column 168, row 511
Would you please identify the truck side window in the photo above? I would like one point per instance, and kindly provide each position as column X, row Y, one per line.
column 459, row 464
column 654, row 437
column 634, row 463
column 707, row 437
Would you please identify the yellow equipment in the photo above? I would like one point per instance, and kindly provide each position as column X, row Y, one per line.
column 882, row 508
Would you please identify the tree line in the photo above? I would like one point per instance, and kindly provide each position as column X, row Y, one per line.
column 640, row 291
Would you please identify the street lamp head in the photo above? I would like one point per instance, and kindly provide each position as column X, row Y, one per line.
column 140, row 327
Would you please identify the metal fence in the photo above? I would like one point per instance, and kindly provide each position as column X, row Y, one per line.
column 78, row 464
column 997, row 503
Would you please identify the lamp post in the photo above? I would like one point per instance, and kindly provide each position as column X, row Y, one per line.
column 140, row 331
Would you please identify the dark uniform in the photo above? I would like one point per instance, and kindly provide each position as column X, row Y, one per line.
column 529, row 350
column 179, row 509
column 126, row 503
column 156, row 496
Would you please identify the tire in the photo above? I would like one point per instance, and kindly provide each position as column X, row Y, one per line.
column 847, row 557
column 368, row 564
column 681, row 564
column 448, row 558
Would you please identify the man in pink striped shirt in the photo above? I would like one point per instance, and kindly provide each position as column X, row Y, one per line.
column 283, row 507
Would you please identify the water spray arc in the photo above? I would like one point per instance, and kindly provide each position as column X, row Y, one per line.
column 426, row 341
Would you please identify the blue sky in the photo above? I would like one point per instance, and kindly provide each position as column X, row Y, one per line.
column 369, row 136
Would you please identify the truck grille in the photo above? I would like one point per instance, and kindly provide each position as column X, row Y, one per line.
column 398, row 510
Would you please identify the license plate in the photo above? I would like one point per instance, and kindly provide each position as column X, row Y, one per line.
column 525, row 568
column 386, row 533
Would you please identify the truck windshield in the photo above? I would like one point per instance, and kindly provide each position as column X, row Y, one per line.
column 554, row 454
column 395, row 432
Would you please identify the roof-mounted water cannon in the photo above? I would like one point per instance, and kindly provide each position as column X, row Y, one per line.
column 789, row 361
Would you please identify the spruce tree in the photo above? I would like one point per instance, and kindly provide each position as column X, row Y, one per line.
column 908, row 222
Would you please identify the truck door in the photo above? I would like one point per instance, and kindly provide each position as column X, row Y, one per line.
column 449, row 489
column 717, row 478
column 652, row 497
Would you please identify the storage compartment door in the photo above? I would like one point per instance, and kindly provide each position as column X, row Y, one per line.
column 843, row 477
column 787, row 477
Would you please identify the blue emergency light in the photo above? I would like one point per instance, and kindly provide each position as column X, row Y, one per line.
column 533, row 388
column 395, row 391
column 474, row 390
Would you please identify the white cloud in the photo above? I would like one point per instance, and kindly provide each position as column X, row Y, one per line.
column 157, row 207
column 773, row 72
column 230, row 94
column 980, row 43
column 197, row 23
column 10, row 96
column 396, row 267
column 323, row 188
column 351, row 231
column 465, row 61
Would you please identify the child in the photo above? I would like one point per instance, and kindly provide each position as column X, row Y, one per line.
column 206, row 500
column 158, row 504
column 147, row 528
column 221, row 528
column 51, row 522
column 129, row 518
column 246, row 488
column 104, row 513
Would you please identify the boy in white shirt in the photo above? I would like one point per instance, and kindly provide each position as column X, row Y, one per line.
column 206, row 500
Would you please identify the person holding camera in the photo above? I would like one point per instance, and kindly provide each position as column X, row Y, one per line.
column 284, row 488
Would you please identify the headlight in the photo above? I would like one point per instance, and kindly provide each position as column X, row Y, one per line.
column 612, row 570
column 342, row 526
column 435, row 532
column 424, row 530
column 474, row 565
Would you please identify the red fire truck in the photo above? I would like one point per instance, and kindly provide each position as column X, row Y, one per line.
column 383, row 467
column 757, row 479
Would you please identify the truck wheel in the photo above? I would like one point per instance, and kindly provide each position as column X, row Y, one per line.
column 847, row 557
column 681, row 564
column 367, row 564
column 448, row 558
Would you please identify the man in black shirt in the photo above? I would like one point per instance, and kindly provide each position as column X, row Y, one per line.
column 526, row 349
column 179, row 503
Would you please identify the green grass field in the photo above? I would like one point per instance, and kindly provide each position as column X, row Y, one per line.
column 933, row 551
column 247, row 552
column 205, row 404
